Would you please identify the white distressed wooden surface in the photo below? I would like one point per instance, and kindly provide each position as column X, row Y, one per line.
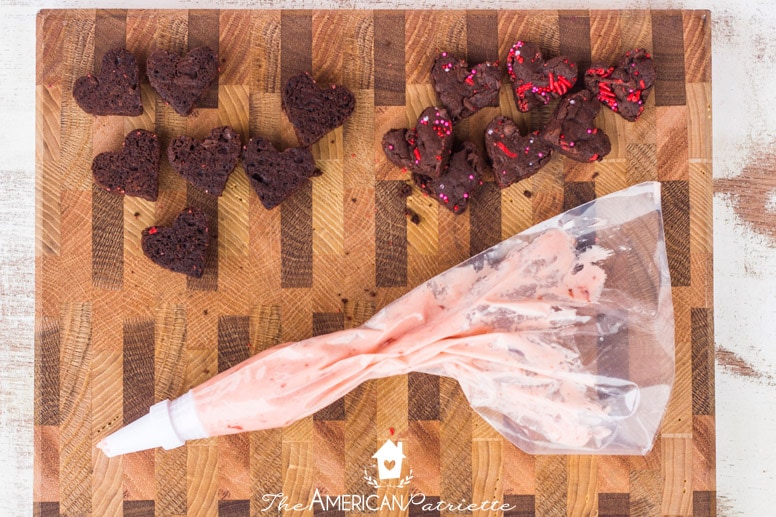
column 744, row 79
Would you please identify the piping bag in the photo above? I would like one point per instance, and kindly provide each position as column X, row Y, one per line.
column 561, row 337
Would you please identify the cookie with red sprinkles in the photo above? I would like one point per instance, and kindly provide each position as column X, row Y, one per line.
column 115, row 90
column 460, row 181
column 624, row 88
column 206, row 163
column 424, row 149
column 536, row 82
column 133, row 170
column 181, row 247
column 463, row 90
column 514, row 157
column 571, row 130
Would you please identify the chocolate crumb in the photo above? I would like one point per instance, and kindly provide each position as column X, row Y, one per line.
column 527, row 193
column 413, row 215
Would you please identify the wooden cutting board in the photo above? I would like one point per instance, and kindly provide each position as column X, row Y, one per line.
column 116, row 333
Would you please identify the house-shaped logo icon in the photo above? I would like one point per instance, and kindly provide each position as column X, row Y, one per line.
column 389, row 459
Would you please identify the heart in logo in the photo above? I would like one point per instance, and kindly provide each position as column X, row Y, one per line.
column 207, row 163
column 461, row 90
column 134, row 170
column 514, row 156
column 182, row 81
column 571, row 130
column 389, row 464
column 315, row 111
column 275, row 175
column 181, row 247
column 624, row 88
column 536, row 82
column 114, row 90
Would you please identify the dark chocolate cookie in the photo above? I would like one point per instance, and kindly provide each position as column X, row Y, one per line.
column 134, row 170
column 461, row 90
column 460, row 181
column 182, row 81
column 275, row 175
column 514, row 157
column 115, row 90
column 397, row 149
column 207, row 163
column 180, row 247
column 536, row 82
column 424, row 149
column 315, row 111
column 624, row 88
column 571, row 130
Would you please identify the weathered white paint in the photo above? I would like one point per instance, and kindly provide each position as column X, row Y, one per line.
column 744, row 264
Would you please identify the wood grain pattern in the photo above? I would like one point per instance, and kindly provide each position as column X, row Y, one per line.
column 115, row 333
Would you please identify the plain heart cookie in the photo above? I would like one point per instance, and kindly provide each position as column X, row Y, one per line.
column 181, row 247
column 133, row 170
column 571, row 130
column 114, row 90
column 536, row 82
column 315, row 111
column 514, row 157
column 182, row 81
column 275, row 175
column 463, row 90
column 624, row 88
column 208, row 163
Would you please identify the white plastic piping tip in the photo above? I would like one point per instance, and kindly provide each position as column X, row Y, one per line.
column 167, row 425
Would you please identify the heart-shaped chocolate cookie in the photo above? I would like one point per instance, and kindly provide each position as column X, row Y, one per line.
column 536, row 82
column 571, row 130
column 207, row 163
column 461, row 90
column 514, row 156
column 182, row 81
column 460, row 181
column 275, row 175
column 428, row 144
column 114, row 90
column 134, row 170
column 624, row 88
column 180, row 247
column 315, row 111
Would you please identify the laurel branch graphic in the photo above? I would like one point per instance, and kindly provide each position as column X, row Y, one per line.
column 375, row 484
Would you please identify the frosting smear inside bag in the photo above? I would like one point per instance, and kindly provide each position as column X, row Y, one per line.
column 561, row 337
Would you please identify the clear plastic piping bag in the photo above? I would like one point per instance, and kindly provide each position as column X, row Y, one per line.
column 561, row 337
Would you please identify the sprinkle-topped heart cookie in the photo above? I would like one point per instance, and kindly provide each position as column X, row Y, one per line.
column 275, row 175
column 181, row 247
column 134, row 170
column 207, row 163
column 536, row 82
column 460, row 181
column 571, row 130
column 514, row 157
column 182, row 81
column 624, row 88
column 114, row 90
column 424, row 149
column 315, row 111
column 461, row 90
